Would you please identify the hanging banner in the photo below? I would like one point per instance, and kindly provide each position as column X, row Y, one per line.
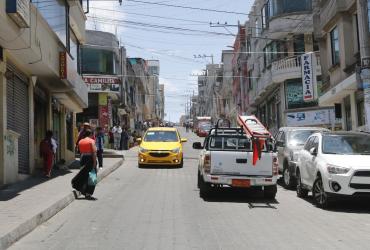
column 308, row 64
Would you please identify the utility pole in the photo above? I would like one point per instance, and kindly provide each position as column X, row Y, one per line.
column 363, row 25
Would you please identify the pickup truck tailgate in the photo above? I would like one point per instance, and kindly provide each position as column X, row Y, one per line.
column 240, row 163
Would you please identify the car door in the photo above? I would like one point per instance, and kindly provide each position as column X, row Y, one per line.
column 303, row 158
column 311, row 161
column 280, row 139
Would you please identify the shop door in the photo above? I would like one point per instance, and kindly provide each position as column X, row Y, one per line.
column 57, row 135
column 18, row 114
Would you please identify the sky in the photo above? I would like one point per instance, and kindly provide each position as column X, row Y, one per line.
column 175, row 49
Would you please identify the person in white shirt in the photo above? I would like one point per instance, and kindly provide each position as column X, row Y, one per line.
column 117, row 131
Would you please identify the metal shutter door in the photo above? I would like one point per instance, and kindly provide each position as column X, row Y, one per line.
column 18, row 115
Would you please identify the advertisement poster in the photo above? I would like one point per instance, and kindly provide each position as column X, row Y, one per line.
column 104, row 117
column 99, row 84
column 310, row 118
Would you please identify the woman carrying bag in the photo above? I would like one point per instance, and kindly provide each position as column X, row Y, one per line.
column 85, row 181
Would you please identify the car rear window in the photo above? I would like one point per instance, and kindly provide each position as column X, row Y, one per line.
column 228, row 143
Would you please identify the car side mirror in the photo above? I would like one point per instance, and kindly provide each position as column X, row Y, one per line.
column 313, row 151
column 183, row 140
column 138, row 140
column 197, row 145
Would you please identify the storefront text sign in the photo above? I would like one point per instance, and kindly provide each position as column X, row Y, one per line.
column 102, row 83
column 19, row 11
column 311, row 118
column 63, row 65
column 308, row 76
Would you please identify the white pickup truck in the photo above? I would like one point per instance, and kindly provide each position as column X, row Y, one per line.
column 226, row 159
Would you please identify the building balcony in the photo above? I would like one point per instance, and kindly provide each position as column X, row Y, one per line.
column 330, row 9
column 290, row 68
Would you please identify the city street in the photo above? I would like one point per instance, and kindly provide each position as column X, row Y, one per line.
column 160, row 208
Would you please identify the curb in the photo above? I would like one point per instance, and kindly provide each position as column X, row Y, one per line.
column 28, row 226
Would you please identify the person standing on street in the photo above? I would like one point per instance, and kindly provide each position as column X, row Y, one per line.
column 47, row 152
column 124, row 139
column 81, row 181
column 117, row 131
column 81, row 135
column 100, row 145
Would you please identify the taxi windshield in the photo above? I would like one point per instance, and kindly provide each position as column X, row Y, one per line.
column 161, row 136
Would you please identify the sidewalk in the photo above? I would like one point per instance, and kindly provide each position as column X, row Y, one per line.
column 27, row 204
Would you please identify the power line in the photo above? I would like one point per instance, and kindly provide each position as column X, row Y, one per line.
column 189, row 7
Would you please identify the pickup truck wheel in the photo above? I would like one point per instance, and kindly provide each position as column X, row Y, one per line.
column 198, row 180
column 288, row 179
column 301, row 191
column 270, row 192
column 320, row 197
column 205, row 189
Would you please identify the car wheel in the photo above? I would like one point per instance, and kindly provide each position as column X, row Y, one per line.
column 198, row 180
column 205, row 189
column 181, row 164
column 301, row 191
column 320, row 197
column 269, row 192
column 288, row 179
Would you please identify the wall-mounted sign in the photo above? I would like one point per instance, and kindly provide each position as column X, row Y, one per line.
column 103, row 83
column 311, row 118
column 63, row 65
column 19, row 11
column 308, row 65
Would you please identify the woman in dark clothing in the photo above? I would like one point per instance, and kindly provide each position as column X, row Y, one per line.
column 81, row 181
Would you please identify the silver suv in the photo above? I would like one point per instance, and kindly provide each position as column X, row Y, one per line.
column 289, row 141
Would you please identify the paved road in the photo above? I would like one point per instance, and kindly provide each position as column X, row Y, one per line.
column 161, row 209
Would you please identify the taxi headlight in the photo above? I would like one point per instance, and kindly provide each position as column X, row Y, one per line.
column 176, row 150
column 333, row 169
column 143, row 150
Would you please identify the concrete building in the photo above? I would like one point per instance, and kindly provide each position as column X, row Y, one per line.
column 41, row 87
column 278, row 34
column 211, row 83
column 161, row 101
column 103, row 67
column 154, row 97
column 337, row 28
column 226, row 105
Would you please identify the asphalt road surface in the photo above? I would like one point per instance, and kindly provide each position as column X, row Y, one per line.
column 160, row 208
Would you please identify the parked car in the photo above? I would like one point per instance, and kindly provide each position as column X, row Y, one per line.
column 204, row 129
column 289, row 141
column 226, row 159
column 334, row 164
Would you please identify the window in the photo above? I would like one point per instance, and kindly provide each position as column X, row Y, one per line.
column 257, row 28
column 308, row 144
column 279, row 7
column 264, row 15
column 368, row 12
column 334, row 41
column 56, row 15
column 361, row 112
column 95, row 61
column 74, row 50
column 299, row 46
column 348, row 114
column 250, row 79
column 294, row 95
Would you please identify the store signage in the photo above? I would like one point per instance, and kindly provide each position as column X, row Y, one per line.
column 308, row 76
column 19, row 11
column 311, row 118
column 100, row 84
column 63, row 65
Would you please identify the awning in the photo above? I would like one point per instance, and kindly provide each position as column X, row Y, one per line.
column 338, row 92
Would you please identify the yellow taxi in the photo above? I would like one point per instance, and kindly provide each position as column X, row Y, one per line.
column 161, row 146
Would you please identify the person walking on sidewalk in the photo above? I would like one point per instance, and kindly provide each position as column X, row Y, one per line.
column 124, row 139
column 117, row 131
column 47, row 152
column 100, row 145
column 81, row 182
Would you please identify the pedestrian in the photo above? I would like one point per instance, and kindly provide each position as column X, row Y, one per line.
column 187, row 127
column 100, row 146
column 117, row 131
column 124, row 139
column 85, row 180
column 111, row 138
column 81, row 134
column 47, row 152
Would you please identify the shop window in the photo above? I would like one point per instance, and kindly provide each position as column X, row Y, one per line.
column 96, row 61
column 361, row 112
column 294, row 95
column 56, row 15
column 334, row 41
column 347, row 113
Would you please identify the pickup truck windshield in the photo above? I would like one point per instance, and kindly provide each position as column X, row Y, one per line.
column 230, row 143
